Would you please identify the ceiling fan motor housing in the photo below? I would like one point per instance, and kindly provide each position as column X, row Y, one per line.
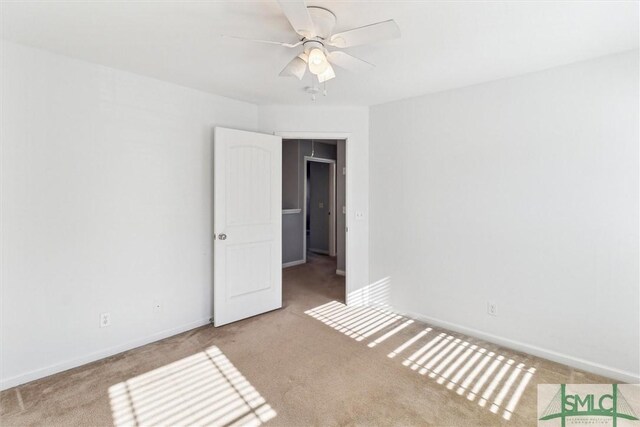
column 309, row 45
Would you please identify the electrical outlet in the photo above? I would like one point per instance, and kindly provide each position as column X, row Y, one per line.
column 105, row 320
column 321, row 205
column 157, row 306
column 492, row 309
column 344, row 209
column 359, row 215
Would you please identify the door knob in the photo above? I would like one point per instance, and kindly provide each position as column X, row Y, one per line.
column 222, row 236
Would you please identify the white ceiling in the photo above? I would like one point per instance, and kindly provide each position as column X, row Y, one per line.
column 443, row 45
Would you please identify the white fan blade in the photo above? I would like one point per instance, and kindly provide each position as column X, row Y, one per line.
column 298, row 16
column 385, row 30
column 297, row 67
column 264, row 41
column 348, row 62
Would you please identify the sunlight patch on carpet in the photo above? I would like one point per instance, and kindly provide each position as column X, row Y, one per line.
column 494, row 381
column 204, row 389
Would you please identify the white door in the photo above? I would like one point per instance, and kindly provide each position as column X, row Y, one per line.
column 247, row 222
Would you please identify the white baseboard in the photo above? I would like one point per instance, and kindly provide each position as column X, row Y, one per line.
column 565, row 359
column 341, row 273
column 6, row 383
column 292, row 263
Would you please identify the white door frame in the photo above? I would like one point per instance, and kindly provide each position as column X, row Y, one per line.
column 332, row 205
column 343, row 136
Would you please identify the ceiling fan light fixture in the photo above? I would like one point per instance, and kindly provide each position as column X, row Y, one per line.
column 318, row 63
column 327, row 74
column 316, row 24
column 297, row 67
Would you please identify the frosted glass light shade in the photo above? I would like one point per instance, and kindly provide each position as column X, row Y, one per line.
column 297, row 67
column 317, row 61
column 328, row 74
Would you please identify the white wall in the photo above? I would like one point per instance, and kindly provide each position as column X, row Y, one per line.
column 106, row 207
column 353, row 120
column 523, row 192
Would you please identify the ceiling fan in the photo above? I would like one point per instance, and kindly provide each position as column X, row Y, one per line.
column 314, row 26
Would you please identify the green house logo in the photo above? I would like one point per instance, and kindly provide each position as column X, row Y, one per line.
column 587, row 404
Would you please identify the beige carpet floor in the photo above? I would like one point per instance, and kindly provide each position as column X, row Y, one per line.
column 314, row 362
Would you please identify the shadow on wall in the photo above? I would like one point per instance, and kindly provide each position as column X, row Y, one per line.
column 203, row 389
column 493, row 380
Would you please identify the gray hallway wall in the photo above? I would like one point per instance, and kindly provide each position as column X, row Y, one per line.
column 290, row 184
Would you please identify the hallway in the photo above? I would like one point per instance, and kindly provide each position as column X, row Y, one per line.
column 311, row 284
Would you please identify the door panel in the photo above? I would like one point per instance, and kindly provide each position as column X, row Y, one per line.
column 247, row 215
column 243, row 281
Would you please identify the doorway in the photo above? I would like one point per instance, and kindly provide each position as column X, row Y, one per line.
column 314, row 202
column 319, row 214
